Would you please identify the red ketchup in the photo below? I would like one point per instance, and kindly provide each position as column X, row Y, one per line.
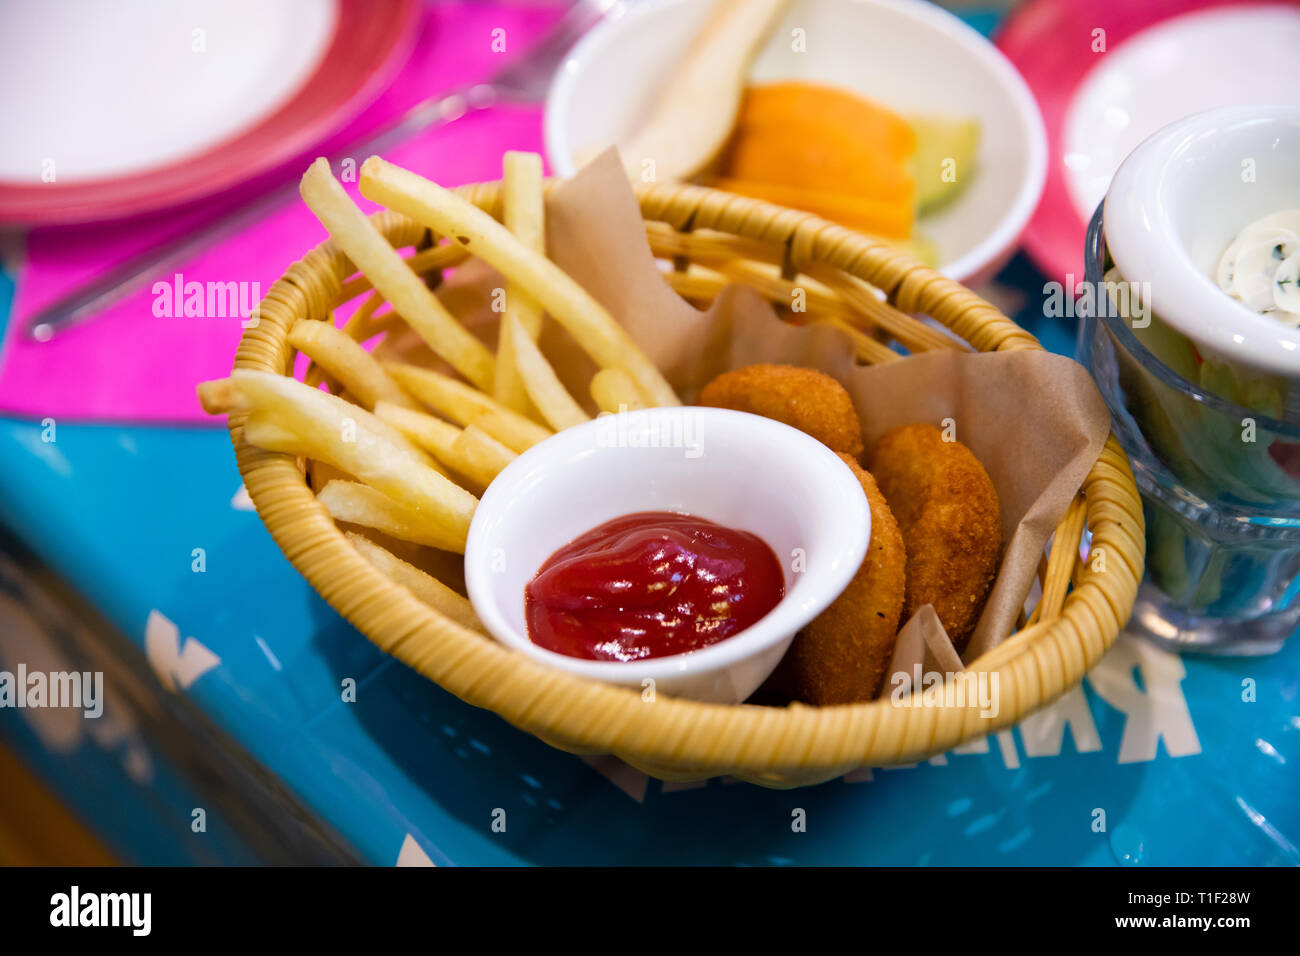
column 651, row 585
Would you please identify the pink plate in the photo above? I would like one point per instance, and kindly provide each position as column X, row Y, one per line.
column 368, row 44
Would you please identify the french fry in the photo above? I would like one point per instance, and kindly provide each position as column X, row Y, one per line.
column 613, row 390
column 261, row 429
column 465, row 405
column 471, row 451
column 352, row 329
column 525, row 217
column 216, row 397
column 525, row 209
column 294, row 418
column 363, row 316
column 354, row 367
column 356, row 503
column 543, row 386
column 222, row 396
column 479, row 456
column 357, row 237
column 566, row 301
column 427, row 431
column 424, row 586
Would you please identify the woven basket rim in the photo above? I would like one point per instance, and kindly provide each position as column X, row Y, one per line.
column 675, row 738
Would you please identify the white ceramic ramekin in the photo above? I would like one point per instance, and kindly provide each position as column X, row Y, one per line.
column 736, row 469
column 1178, row 201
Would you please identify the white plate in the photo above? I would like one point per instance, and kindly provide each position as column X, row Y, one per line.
column 105, row 89
column 1223, row 56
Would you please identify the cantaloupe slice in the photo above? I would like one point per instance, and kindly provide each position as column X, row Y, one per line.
column 891, row 219
column 831, row 152
column 869, row 123
column 798, row 153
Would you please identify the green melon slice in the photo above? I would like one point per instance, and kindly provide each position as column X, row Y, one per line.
column 944, row 161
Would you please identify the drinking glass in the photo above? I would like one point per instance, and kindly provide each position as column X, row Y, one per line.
column 1220, row 487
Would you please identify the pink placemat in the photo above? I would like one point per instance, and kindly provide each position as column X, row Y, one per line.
column 139, row 360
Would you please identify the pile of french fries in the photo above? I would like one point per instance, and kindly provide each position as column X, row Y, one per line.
column 412, row 446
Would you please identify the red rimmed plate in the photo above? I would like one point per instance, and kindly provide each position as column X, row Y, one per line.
column 156, row 104
column 1109, row 73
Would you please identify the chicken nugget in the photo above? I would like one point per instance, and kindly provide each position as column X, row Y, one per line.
column 842, row 655
column 803, row 398
column 947, row 510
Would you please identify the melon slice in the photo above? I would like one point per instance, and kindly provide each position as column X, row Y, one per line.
column 944, row 161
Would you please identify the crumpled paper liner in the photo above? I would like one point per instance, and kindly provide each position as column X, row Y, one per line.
column 1034, row 419
column 921, row 641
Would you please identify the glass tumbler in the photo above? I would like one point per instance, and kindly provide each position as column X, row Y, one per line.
column 1220, row 486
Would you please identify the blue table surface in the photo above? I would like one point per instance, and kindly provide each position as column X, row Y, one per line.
column 1155, row 759
column 1170, row 750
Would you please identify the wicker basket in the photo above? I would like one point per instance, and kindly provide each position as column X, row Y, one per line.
column 1067, row 634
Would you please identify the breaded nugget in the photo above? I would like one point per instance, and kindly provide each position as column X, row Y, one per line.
column 803, row 398
column 841, row 657
column 947, row 510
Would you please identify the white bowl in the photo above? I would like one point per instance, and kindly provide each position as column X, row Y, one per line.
column 733, row 468
column 907, row 54
column 1177, row 202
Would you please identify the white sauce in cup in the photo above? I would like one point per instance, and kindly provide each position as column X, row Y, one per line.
column 1261, row 267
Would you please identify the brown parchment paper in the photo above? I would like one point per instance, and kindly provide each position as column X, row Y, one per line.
column 921, row 641
column 1034, row 419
